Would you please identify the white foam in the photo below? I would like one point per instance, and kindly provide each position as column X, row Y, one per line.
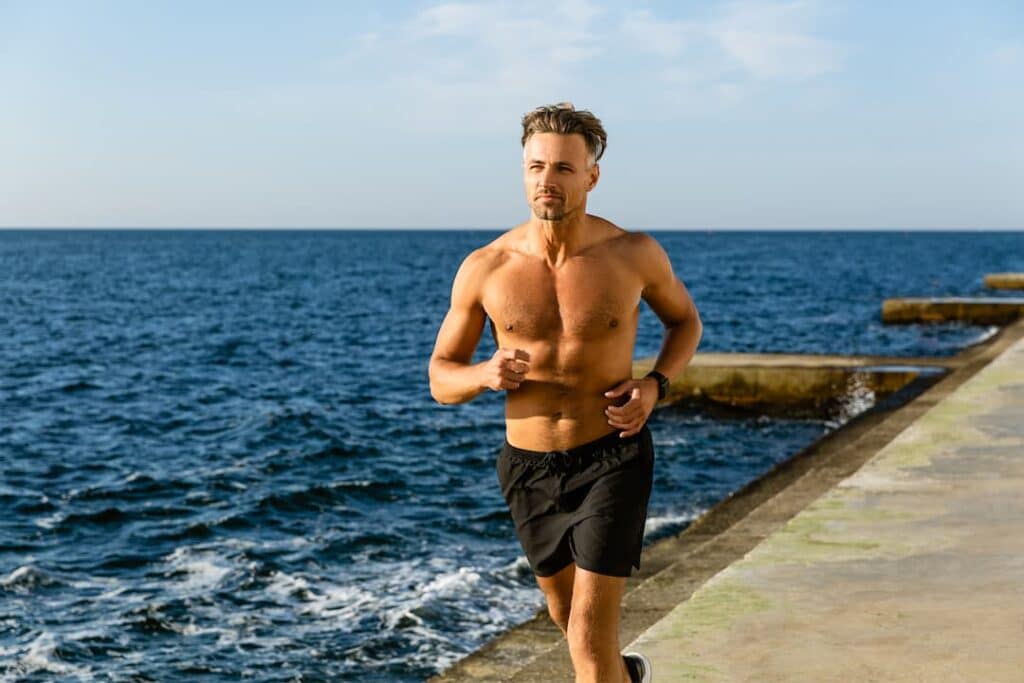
column 658, row 522
column 857, row 398
column 987, row 333
column 49, row 521
column 204, row 569
column 41, row 656
column 459, row 581
column 26, row 573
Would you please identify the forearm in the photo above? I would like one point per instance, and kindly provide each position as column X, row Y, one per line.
column 678, row 347
column 453, row 382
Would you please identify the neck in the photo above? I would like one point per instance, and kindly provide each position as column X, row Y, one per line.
column 556, row 241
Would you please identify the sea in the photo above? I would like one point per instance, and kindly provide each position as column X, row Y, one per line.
column 221, row 460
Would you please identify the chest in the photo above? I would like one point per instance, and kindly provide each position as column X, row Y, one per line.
column 585, row 299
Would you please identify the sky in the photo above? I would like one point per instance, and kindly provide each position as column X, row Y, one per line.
column 752, row 114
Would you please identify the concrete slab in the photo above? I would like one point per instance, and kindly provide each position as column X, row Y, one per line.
column 910, row 569
column 974, row 310
column 793, row 384
column 1005, row 280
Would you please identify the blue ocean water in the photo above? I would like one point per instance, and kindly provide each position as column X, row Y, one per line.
column 221, row 460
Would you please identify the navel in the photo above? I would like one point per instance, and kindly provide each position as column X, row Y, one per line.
column 508, row 326
column 557, row 415
column 613, row 323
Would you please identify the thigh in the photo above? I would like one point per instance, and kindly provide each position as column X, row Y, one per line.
column 558, row 587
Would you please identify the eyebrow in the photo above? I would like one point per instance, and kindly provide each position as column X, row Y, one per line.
column 556, row 163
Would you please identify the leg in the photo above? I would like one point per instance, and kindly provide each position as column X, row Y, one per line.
column 558, row 591
column 594, row 628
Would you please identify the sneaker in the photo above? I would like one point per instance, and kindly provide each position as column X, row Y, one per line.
column 638, row 666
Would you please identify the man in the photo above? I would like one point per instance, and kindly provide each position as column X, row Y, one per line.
column 562, row 292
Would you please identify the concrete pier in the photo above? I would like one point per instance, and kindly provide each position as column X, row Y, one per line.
column 978, row 311
column 793, row 384
column 1005, row 280
column 903, row 553
column 910, row 569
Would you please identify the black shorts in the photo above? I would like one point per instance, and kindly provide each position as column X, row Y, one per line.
column 586, row 505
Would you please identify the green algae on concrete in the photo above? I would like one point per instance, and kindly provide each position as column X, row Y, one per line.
column 834, row 528
column 713, row 608
column 908, row 569
column 717, row 605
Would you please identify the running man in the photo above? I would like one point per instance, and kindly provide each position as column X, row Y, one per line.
column 562, row 293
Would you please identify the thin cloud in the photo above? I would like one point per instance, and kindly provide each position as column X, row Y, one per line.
column 491, row 56
column 496, row 56
column 756, row 40
column 663, row 37
column 774, row 41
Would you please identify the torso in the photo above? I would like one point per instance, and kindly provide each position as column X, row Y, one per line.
column 578, row 322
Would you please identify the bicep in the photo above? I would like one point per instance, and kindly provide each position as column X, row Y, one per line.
column 464, row 323
column 664, row 292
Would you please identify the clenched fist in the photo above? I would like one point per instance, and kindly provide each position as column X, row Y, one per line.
column 506, row 369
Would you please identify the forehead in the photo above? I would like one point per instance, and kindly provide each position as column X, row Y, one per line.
column 556, row 147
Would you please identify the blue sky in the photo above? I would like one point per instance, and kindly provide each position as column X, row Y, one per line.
column 754, row 114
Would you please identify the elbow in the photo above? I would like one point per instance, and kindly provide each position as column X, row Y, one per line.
column 694, row 320
column 436, row 391
column 439, row 398
column 698, row 327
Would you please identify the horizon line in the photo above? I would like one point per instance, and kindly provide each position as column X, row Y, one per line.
column 490, row 229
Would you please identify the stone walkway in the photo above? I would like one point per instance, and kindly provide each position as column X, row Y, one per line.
column 910, row 569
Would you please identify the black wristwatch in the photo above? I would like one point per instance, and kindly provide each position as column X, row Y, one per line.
column 662, row 383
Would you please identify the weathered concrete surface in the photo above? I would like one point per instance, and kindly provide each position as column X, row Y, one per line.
column 791, row 384
column 672, row 569
column 1005, row 280
column 910, row 569
column 980, row 311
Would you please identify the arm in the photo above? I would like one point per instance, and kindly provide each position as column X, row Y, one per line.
column 453, row 378
column 668, row 298
column 670, row 301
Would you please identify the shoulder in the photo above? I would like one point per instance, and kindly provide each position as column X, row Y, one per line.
column 644, row 245
column 484, row 260
column 646, row 257
column 638, row 247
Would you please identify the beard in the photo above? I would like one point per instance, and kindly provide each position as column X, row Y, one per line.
column 550, row 211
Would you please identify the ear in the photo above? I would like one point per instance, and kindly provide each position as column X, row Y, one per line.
column 595, row 173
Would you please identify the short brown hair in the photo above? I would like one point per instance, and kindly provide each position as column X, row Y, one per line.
column 564, row 119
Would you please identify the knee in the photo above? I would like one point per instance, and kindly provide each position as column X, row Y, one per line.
column 560, row 615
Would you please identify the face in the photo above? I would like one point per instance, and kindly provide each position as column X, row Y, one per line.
column 556, row 176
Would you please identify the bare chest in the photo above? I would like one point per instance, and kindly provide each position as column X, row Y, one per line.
column 585, row 299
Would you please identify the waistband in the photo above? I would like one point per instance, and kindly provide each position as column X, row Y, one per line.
column 607, row 444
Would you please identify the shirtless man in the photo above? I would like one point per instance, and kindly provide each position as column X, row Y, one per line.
column 562, row 292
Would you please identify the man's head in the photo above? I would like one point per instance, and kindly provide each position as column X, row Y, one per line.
column 561, row 148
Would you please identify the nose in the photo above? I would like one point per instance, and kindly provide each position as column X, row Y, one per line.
column 544, row 180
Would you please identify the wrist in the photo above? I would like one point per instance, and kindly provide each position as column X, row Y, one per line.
column 479, row 377
column 661, row 381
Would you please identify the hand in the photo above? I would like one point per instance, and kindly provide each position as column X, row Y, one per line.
column 632, row 415
column 506, row 369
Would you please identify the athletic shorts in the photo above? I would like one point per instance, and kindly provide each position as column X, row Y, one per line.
column 586, row 505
